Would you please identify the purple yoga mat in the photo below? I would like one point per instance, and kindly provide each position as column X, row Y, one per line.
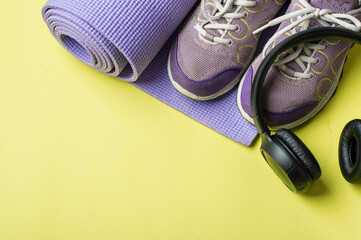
column 130, row 40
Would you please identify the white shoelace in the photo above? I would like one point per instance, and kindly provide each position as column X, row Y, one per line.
column 221, row 7
column 325, row 17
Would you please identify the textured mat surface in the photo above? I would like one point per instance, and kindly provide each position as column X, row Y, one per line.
column 130, row 40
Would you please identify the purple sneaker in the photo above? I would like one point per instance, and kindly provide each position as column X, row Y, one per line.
column 304, row 78
column 216, row 46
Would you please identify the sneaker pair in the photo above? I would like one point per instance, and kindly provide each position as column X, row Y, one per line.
column 216, row 48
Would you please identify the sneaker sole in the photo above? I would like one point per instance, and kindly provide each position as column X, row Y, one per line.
column 244, row 114
column 186, row 93
column 301, row 120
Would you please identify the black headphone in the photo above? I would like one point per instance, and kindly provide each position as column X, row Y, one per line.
column 285, row 153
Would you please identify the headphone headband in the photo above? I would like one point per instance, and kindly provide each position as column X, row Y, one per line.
column 295, row 40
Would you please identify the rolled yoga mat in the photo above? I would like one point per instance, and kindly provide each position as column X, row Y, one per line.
column 130, row 40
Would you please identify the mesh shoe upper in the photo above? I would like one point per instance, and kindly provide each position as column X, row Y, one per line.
column 298, row 88
column 196, row 59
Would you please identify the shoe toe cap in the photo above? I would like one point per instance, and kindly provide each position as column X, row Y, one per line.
column 284, row 103
column 214, row 82
column 290, row 117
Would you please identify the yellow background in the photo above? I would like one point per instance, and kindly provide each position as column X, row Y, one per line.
column 86, row 156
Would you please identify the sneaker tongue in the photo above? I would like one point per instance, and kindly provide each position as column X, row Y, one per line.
column 211, row 9
column 337, row 6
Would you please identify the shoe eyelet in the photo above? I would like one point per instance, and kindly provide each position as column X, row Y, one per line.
column 238, row 29
column 230, row 43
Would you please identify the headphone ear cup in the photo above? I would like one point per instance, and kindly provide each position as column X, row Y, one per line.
column 349, row 151
column 301, row 151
